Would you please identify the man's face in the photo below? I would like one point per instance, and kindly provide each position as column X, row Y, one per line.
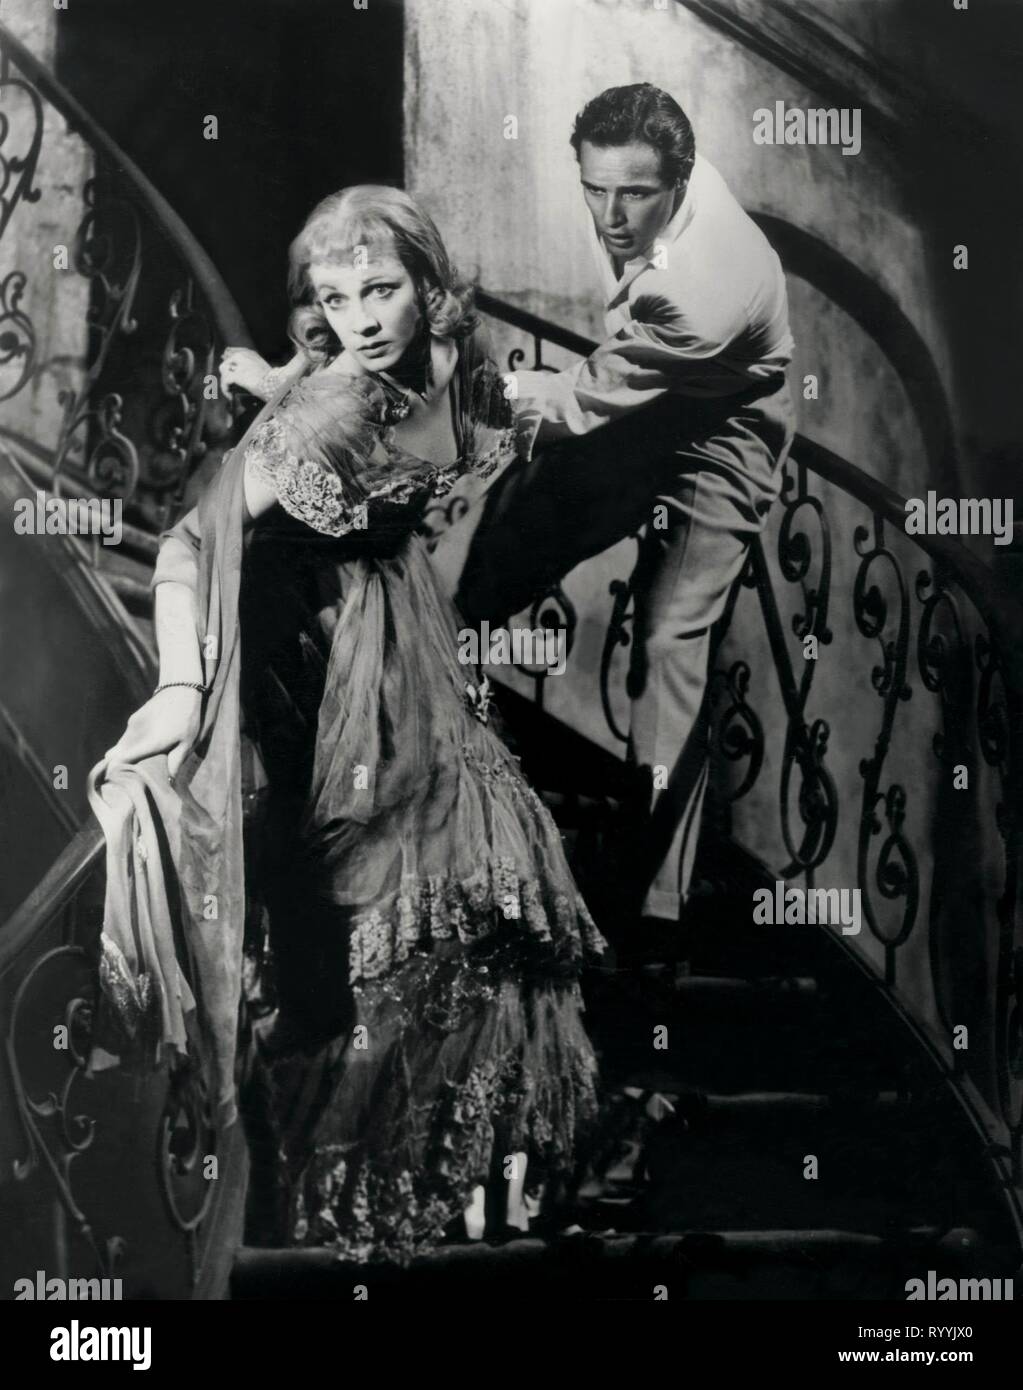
column 628, row 199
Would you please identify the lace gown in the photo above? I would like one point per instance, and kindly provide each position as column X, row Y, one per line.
column 425, row 927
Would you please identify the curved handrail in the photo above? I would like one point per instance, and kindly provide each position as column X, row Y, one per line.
column 228, row 317
column 80, row 857
column 77, row 871
column 999, row 606
column 52, row 893
column 533, row 323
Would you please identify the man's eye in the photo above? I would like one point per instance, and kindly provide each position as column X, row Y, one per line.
column 636, row 195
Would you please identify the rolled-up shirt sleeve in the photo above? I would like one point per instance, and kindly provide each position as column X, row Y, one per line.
column 665, row 352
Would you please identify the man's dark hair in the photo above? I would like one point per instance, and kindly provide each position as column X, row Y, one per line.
column 640, row 112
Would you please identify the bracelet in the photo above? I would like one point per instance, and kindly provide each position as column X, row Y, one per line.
column 268, row 382
column 192, row 685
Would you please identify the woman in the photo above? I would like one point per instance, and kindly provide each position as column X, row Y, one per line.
column 426, row 932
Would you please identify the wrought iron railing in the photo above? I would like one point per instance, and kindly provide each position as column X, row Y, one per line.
column 129, row 414
column 836, row 565
column 141, row 411
column 79, row 1136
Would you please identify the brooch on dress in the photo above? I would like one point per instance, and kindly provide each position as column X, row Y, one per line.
column 398, row 400
column 396, row 409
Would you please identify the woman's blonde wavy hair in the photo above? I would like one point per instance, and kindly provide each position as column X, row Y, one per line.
column 374, row 216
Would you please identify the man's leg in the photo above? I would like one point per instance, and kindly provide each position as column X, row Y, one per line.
column 682, row 584
column 571, row 501
column 691, row 556
column 715, row 468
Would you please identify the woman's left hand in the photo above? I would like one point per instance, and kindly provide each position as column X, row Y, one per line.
column 168, row 723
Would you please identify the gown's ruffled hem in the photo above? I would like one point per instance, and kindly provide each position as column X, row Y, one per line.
column 514, row 1075
column 495, row 900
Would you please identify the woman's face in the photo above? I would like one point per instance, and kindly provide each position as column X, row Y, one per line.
column 373, row 308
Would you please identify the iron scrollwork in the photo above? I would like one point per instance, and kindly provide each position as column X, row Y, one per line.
column 943, row 663
column 17, row 336
column 738, row 735
column 806, row 745
column 17, row 174
column 440, row 515
column 186, row 1140
column 617, row 635
column 517, row 356
column 937, row 662
column 998, row 723
column 896, row 874
column 57, row 1135
column 552, row 611
column 112, row 264
column 188, row 358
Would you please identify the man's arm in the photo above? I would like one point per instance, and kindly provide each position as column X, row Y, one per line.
column 638, row 365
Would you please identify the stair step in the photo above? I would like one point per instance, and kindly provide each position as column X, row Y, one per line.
column 689, row 1262
column 571, row 811
column 725, row 1034
column 743, row 1160
column 612, row 1244
column 725, row 986
column 753, row 1104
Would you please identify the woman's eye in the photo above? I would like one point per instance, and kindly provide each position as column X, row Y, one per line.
column 383, row 291
column 331, row 301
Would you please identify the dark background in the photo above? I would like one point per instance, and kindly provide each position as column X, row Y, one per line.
column 307, row 94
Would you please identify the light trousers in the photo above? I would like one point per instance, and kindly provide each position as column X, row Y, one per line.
column 696, row 480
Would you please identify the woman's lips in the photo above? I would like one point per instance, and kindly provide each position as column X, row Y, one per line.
column 375, row 349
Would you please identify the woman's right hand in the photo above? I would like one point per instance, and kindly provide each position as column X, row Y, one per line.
column 168, row 723
column 245, row 368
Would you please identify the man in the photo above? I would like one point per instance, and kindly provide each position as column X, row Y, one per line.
column 678, row 422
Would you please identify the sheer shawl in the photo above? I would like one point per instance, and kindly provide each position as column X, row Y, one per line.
column 326, row 432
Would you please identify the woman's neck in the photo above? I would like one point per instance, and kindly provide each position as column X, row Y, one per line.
column 415, row 370
column 426, row 375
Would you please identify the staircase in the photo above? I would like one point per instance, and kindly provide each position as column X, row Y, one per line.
column 808, row 1130
column 780, row 1048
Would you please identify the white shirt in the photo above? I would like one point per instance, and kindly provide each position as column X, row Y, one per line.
column 703, row 314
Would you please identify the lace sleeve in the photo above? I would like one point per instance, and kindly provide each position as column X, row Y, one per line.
column 308, row 490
